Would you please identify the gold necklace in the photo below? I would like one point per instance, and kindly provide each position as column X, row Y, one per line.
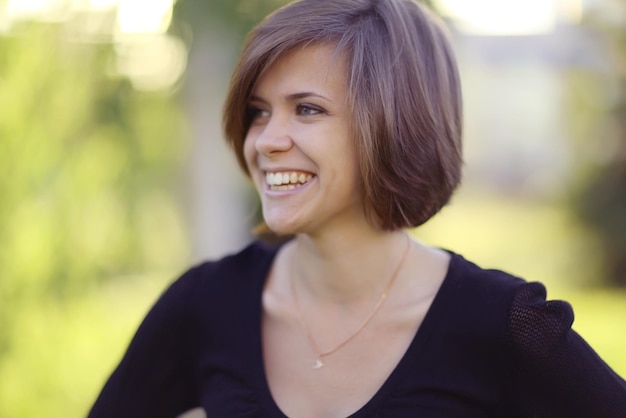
column 318, row 363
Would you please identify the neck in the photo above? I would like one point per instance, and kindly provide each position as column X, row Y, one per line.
column 346, row 270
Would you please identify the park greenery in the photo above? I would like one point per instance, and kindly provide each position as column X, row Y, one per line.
column 93, row 224
column 599, row 106
column 89, row 169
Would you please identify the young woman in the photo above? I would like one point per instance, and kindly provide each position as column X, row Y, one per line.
column 346, row 115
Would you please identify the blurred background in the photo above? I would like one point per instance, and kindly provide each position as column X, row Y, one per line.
column 114, row 177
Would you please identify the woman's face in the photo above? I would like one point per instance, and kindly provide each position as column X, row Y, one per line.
column 298, row 147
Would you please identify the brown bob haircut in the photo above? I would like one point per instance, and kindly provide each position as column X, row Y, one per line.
column 404, row 94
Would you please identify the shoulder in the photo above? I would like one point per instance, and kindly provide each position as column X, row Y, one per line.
column 248, row 259
column 237, row 268
column 532, row 323
column 484, row 280
column 214, row 289
column 524, row 302
column 483, row 292
column 213, row 282
column 495, row 302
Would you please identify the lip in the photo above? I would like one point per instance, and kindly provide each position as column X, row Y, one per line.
column 277, row 169
column 280, row 193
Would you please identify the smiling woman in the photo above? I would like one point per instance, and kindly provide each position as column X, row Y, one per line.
column 346, row 115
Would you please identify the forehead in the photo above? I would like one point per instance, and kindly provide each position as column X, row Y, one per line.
column 314, row 67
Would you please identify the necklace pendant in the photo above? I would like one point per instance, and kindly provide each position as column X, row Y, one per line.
column 317, row 364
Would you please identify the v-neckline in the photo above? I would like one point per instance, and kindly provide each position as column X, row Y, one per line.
column 411, row 354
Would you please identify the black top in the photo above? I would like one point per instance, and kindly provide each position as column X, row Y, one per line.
column 490, row 346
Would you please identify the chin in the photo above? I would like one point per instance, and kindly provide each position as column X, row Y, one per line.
column 282, row 222
column 281, row 228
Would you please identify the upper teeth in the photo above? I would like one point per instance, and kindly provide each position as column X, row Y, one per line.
column 277, row 179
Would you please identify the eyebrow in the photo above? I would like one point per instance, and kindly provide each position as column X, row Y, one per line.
column 294, row 96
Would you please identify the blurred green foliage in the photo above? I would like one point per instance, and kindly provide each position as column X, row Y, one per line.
column 598, row 101
column 236, row 17
column 88, row 172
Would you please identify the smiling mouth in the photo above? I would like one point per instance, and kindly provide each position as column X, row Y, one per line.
column 286, row 180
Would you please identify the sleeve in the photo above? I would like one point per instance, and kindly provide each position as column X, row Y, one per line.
column 154, row 378
column 559, row 374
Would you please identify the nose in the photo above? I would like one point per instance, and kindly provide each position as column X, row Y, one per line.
column 274, row 137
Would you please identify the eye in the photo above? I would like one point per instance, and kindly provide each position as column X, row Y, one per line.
column 308, row 110
column 255, row 113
